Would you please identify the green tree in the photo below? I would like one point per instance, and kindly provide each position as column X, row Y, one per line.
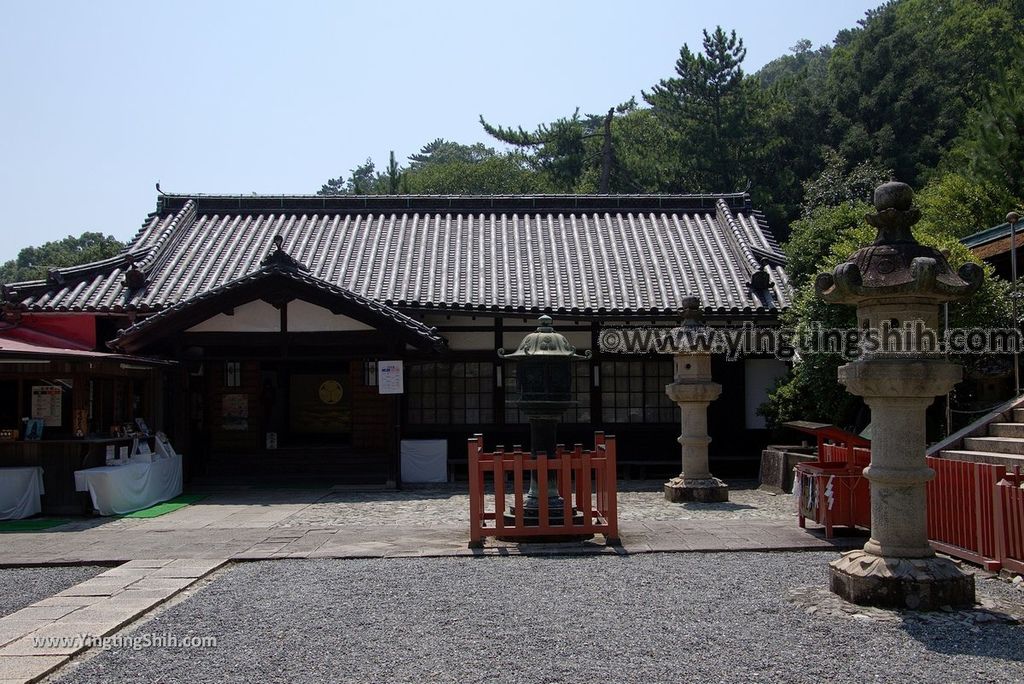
column 556, row 150
column 33, row 262
column 709, row 105
column 838, row 181
column 959, row 205
column 991, row 147
column 499, row 174
column 441, row 151
column 804, row 60
column 362, row 180
column 901, row 85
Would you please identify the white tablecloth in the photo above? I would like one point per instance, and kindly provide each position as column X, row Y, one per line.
column 424, row 460
column 20, row 489
column 131, row 487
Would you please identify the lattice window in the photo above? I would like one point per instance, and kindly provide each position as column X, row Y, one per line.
column 634, row 392
column 459, row 393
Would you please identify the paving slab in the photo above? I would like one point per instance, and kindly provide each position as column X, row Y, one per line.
column 28, row 668
column 38, row 638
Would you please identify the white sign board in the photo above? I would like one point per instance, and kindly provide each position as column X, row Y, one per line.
column 424, row 460
column 389, row 377
column 46, row 404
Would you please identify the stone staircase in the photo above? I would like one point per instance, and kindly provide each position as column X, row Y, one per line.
column 997, row 438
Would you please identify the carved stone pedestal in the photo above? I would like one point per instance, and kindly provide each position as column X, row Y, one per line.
column 706, row 490
column 915, row 583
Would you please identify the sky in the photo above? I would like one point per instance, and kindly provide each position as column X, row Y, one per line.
column 101, row 100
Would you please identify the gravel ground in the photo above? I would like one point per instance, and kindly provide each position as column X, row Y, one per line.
column 646, row 618
column 20, row 587
column 449, row 504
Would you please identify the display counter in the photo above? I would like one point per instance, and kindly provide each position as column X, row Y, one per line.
column 119, row 489
column 59, row 459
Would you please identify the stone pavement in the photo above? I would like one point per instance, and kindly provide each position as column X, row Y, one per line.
column 251, row 523
column 247, row 523
column 38, row 639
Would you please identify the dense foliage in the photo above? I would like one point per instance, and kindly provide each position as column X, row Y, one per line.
column 33, row 262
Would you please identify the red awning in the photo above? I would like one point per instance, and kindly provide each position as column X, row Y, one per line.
column 33, row 345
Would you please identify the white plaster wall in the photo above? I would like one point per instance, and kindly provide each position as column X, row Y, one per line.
column 306, row 317
column 257, row 316
column 760, row 376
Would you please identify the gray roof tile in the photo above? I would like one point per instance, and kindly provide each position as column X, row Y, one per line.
column 591, row 254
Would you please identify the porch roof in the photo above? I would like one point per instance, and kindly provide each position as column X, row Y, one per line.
column 276, row 281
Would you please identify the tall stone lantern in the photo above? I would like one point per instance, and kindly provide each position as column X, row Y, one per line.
column 893, row 282
column 544, row 375
column 693, row 390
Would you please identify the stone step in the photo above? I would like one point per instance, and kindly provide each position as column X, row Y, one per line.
column 999, row 445
column 1007, row 460
column 1018, row 415
column 1006, row 430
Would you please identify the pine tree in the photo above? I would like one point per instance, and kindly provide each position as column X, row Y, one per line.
column 708, row 103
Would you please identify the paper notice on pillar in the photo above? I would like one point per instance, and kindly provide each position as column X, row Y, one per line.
column 46, row 404
column 389, row 377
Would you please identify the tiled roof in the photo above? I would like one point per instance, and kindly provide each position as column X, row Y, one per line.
column 578, row 254
column 259, row 283
column 987, row 235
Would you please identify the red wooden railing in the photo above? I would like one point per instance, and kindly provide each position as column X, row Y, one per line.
column 846, row 453
column 1009, row 501
column 975, row 510
column 586, row 483
column 962, row 518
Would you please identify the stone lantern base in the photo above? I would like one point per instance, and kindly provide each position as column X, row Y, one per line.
column 704, row 490
column 915, row 583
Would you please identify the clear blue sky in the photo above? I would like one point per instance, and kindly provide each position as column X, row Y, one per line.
column 103, row 99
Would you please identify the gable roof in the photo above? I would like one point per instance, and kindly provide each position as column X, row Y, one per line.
column 275, row 279
column 580, row 254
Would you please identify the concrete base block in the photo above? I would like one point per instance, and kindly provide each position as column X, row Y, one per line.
column 706, row 490
column 914, row 583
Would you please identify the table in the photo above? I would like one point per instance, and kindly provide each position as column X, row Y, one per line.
column 20, row 492
column 132, row 487
column 59, row 459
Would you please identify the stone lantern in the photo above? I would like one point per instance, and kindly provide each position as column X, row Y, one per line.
column 693, row 389
column 544, row 375
column 895, row 282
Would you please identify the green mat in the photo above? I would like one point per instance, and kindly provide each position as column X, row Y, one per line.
column 166, row 507
column 31, row 524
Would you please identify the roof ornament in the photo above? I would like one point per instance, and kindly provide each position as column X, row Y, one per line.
column 280, row 258
column 134, row 278
column 54, row 276
column 759, row 279
column 693, row 313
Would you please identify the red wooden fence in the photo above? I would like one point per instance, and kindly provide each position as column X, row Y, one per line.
column 1009, row 501
column 962, row 519
column 975, row 510
column 586, row 483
